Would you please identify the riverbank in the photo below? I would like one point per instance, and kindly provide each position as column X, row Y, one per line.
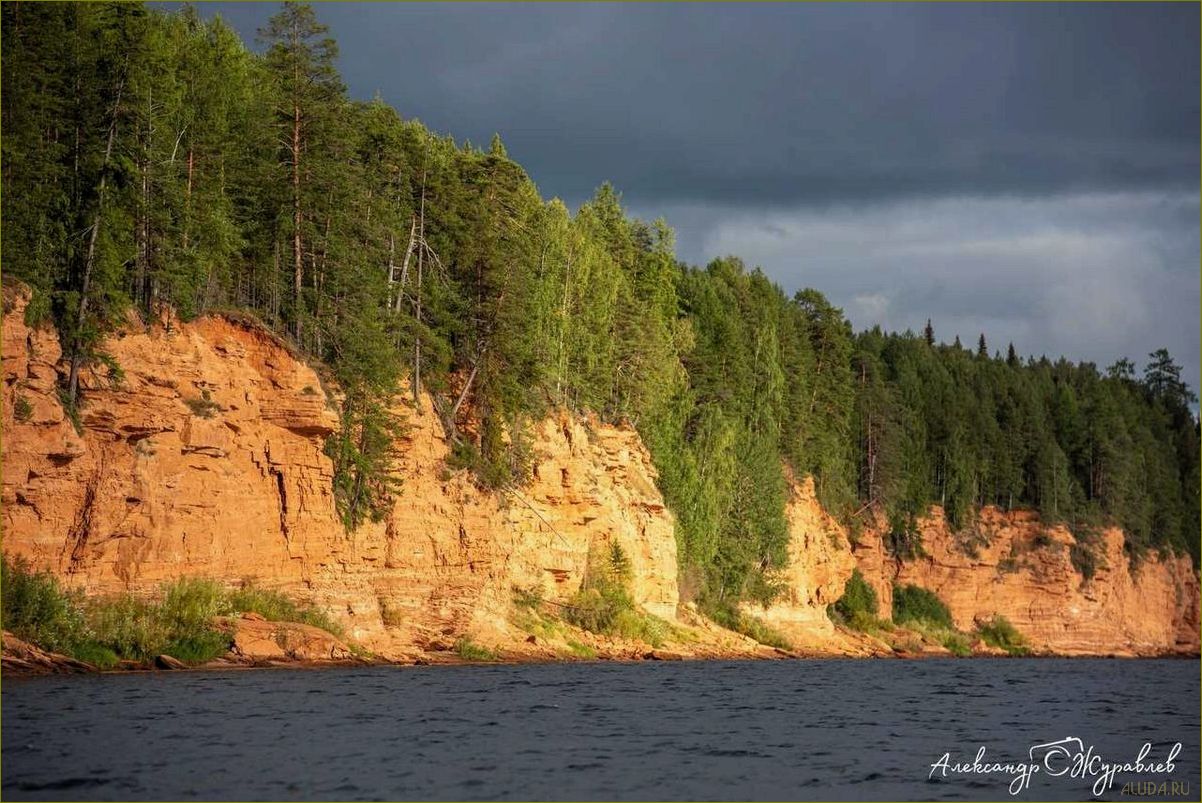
column 21, row 659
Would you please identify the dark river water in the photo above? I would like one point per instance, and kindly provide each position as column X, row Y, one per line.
column 780, row 730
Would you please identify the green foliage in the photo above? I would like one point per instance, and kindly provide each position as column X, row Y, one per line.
column 204, row 406
column 749, row 626
column 37, row 609
column 859, row 599
column 1085, row 560
column 932, row 632
column 939, row 426
column 640, row 626
column 957, row 644
column 858, row 607
column 96, row 654
column 529, row 598
column 581, row 650
column 468, row 650
column 276, row 607
column 998, row 632
column 903, row 539
column 602, row 603
column 916, row 604
column 103, row 631
column 71, row 410
column 37, row 311
column 22, row 409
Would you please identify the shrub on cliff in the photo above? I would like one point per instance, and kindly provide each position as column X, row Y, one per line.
column 916, row 604
column 602, row 595
column 859, row 599
column 603, row 603
column 998, row 632
column 1085, row 560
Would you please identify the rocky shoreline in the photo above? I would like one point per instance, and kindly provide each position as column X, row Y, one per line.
column 21, row 659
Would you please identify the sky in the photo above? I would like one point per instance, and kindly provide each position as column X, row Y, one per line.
column 1026, row 171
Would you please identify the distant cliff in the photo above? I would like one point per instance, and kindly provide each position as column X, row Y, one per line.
column 204, row 457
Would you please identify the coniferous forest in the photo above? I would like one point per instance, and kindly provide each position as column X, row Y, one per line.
column 152, row 158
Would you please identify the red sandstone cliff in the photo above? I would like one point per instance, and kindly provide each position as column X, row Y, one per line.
column 1012, row 564
column 206, row 459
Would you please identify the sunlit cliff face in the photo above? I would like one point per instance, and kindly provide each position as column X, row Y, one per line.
column 206, row 460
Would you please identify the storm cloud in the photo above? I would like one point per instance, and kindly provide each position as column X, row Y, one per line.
column 1029, row 171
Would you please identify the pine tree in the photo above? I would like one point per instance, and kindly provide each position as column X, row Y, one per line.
column 307, row 101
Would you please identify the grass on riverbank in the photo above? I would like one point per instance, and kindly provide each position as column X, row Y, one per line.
column 998, row 632
column 104, row 631
column 750, row 626
column 469, row 650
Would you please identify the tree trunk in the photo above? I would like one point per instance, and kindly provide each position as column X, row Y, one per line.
column 319, row 280
column 188, row 196
column 298, row 264
column 417, row 339
column 561, row 357
column 90, row 257
column 405, row 263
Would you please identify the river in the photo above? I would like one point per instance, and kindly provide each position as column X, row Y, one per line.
column 752, row 730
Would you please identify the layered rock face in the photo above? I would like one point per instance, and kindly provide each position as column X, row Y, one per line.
column 1014, row 565
column 205, row 458
column 820, row 561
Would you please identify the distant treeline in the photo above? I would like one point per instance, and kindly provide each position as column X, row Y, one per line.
column 151, row 158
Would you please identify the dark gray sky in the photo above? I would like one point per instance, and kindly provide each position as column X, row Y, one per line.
column 1030, row 171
